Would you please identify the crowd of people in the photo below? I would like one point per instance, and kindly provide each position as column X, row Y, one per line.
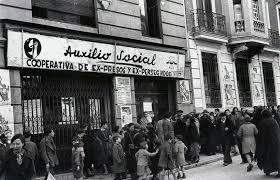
column 151, row 147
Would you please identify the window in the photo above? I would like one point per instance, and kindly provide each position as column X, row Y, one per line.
column 211, row 80
column 69, row 11
column 150, row 18
column 237, row 7
column 256, row 10
column 243, row 82
column 269, row 84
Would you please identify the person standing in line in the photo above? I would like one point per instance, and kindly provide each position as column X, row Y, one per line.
column 268, row 144
column 164, row 127
column 48, row 150
column 3, row 150
column 78, row 156
column 18, row 164
column 247, row 133
column 142, row 157
column 30, row 147
column 226, row 129
column 119, row 165
column 180, row 150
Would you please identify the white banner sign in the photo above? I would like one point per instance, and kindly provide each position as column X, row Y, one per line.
column 47, row 52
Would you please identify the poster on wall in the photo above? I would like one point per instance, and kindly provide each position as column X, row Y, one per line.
column 5, row 89
column 126, row 115
column 68, row 110
column 123, row 83
column 7, row 121
column 124, row 97
column 258, row 95
column 256, row 77
column 228, row 71
column 33, row 115
column 147, row 106
column 229, row 94
column 185, row 91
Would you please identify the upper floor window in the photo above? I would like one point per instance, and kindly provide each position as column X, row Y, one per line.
column 150, row 18
column 256, row 10
column 80, row 12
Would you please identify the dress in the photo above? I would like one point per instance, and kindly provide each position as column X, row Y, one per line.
column 180, row 149
column 247, row 133
column 268, row 146
column 119, row 165
column 166, row 156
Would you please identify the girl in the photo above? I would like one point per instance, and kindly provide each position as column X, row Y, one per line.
column 78, row 156
column 180, row 150
column 142, row 157
column 118, row 159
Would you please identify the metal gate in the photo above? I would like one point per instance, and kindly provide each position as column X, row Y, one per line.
column 64, row 102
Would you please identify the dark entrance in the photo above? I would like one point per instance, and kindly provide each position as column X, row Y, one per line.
column 160, row 92
column 65, row 102
column 269, row 83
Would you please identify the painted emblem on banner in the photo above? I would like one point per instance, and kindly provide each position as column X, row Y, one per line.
column 185, row 91
column 5, row 94
column 32, row 48
column 7, row 121
column 229, row 94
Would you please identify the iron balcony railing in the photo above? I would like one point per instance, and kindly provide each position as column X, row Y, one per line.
column 274, row 38
column 204, row 21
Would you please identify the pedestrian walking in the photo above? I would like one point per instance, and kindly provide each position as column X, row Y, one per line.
column 226, row 129
column 247, row 133
column 19, row 164
column 142, row 157
column 78, row 156
column 268, row 144
column 180, row 150
column 48, row 150
column 119, row 165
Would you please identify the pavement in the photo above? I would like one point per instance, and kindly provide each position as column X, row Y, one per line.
column 204, row 160
column 234, row 171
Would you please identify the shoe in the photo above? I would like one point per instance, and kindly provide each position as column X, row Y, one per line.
column 184, row 176
column 179, row 176
column 226, row 164
column 250, row 167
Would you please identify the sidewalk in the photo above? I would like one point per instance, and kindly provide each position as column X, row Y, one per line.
column 203, row 161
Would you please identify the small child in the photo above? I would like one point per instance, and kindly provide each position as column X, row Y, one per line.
column 142, row 157
column 78, row 156
column 180, row 150
column 118, row 159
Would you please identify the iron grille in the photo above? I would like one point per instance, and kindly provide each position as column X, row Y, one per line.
column 269, row 84
column 205, row 21
column 211, row 80
column 64, row 102
column 243, row 82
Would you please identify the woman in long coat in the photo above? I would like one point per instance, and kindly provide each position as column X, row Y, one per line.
column 247, row 133
column 268, row 144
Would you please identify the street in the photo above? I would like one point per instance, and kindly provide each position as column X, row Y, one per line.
column 235, row 171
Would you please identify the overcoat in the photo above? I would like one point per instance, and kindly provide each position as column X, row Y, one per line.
column 48, row 151
column 247, row 133
column 118, row 159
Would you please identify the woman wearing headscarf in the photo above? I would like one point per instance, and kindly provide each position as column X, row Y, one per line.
column 268, row 144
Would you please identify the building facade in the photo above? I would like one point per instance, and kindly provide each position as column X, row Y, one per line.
column 67, row 63
column 234, row 50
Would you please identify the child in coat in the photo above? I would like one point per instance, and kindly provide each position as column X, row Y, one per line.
column 180, row 150
column 142, row 157
column 119, row 166
column 78, row 156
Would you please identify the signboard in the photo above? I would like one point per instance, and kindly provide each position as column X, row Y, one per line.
column 46, row 52
column 147, row 106
column 5, row 89
column 123, row 92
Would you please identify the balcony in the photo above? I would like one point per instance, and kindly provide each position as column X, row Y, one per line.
column 209, row 26
column 274, row 38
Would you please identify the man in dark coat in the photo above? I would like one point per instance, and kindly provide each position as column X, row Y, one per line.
column 3, row 151
column 48, row 150
column 225, row 128
column 268, row 144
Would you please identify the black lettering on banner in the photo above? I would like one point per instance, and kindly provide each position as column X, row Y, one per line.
column 28, row 62
column 136, row 59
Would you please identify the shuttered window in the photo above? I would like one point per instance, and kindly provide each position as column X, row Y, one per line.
column 70, row 11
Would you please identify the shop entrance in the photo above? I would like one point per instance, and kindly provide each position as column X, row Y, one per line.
column 159, row 94
column 64, row 102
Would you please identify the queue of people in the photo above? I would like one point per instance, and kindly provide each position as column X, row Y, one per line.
column 152, row 147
